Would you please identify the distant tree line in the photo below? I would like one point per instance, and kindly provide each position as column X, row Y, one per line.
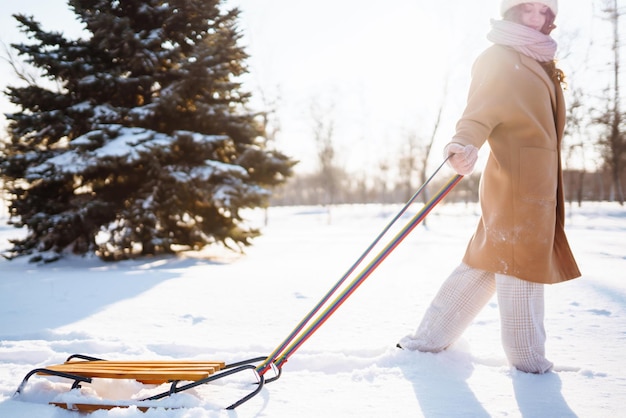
column 309, row 189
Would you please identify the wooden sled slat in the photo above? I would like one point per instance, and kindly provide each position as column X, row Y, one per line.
column 86, row 368
column 144, row 363
column 144, row 376
column 148, row 372
column 88, row 408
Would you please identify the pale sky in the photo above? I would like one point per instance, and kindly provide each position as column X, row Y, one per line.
column 380, row 67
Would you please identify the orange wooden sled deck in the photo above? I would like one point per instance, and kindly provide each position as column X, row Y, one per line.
column 83, row 369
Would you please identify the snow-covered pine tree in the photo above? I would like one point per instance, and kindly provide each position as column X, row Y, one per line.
column 147, row 145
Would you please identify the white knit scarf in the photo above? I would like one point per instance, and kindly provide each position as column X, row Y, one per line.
column 528, row 41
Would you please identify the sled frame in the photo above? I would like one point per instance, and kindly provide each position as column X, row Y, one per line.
column 83, row 369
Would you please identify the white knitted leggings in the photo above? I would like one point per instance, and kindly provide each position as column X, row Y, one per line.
column 461, row 298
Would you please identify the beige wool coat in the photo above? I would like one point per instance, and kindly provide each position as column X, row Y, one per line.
column 515, row 106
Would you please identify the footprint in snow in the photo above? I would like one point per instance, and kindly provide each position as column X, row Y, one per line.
column 194, row 319
column 601, row 312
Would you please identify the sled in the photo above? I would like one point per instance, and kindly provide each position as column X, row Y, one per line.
column 82, row 369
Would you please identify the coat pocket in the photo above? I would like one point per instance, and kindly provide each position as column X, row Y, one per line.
column 538, row 173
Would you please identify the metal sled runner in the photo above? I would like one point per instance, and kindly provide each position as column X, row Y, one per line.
column 83, row 369
column 185, row 375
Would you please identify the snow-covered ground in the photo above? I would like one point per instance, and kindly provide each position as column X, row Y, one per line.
column 233, row 308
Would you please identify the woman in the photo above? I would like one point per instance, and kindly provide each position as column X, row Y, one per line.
column 515, row 103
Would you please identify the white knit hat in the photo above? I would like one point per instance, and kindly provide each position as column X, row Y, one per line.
column 507, row 4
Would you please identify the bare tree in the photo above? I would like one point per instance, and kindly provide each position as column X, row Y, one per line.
column 382, row 181
column 576, row 148
column 323, row 133
column 429, row 144
column 613, row 143
column 20, row 69
column 415, row 154
column 270, row 123
column 409, row 164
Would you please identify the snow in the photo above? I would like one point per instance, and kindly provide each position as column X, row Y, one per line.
column 129, row 143
column 217, row 305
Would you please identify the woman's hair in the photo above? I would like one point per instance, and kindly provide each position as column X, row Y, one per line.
column 514, row 14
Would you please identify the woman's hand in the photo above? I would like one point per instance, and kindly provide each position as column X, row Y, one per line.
column 462, row 158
